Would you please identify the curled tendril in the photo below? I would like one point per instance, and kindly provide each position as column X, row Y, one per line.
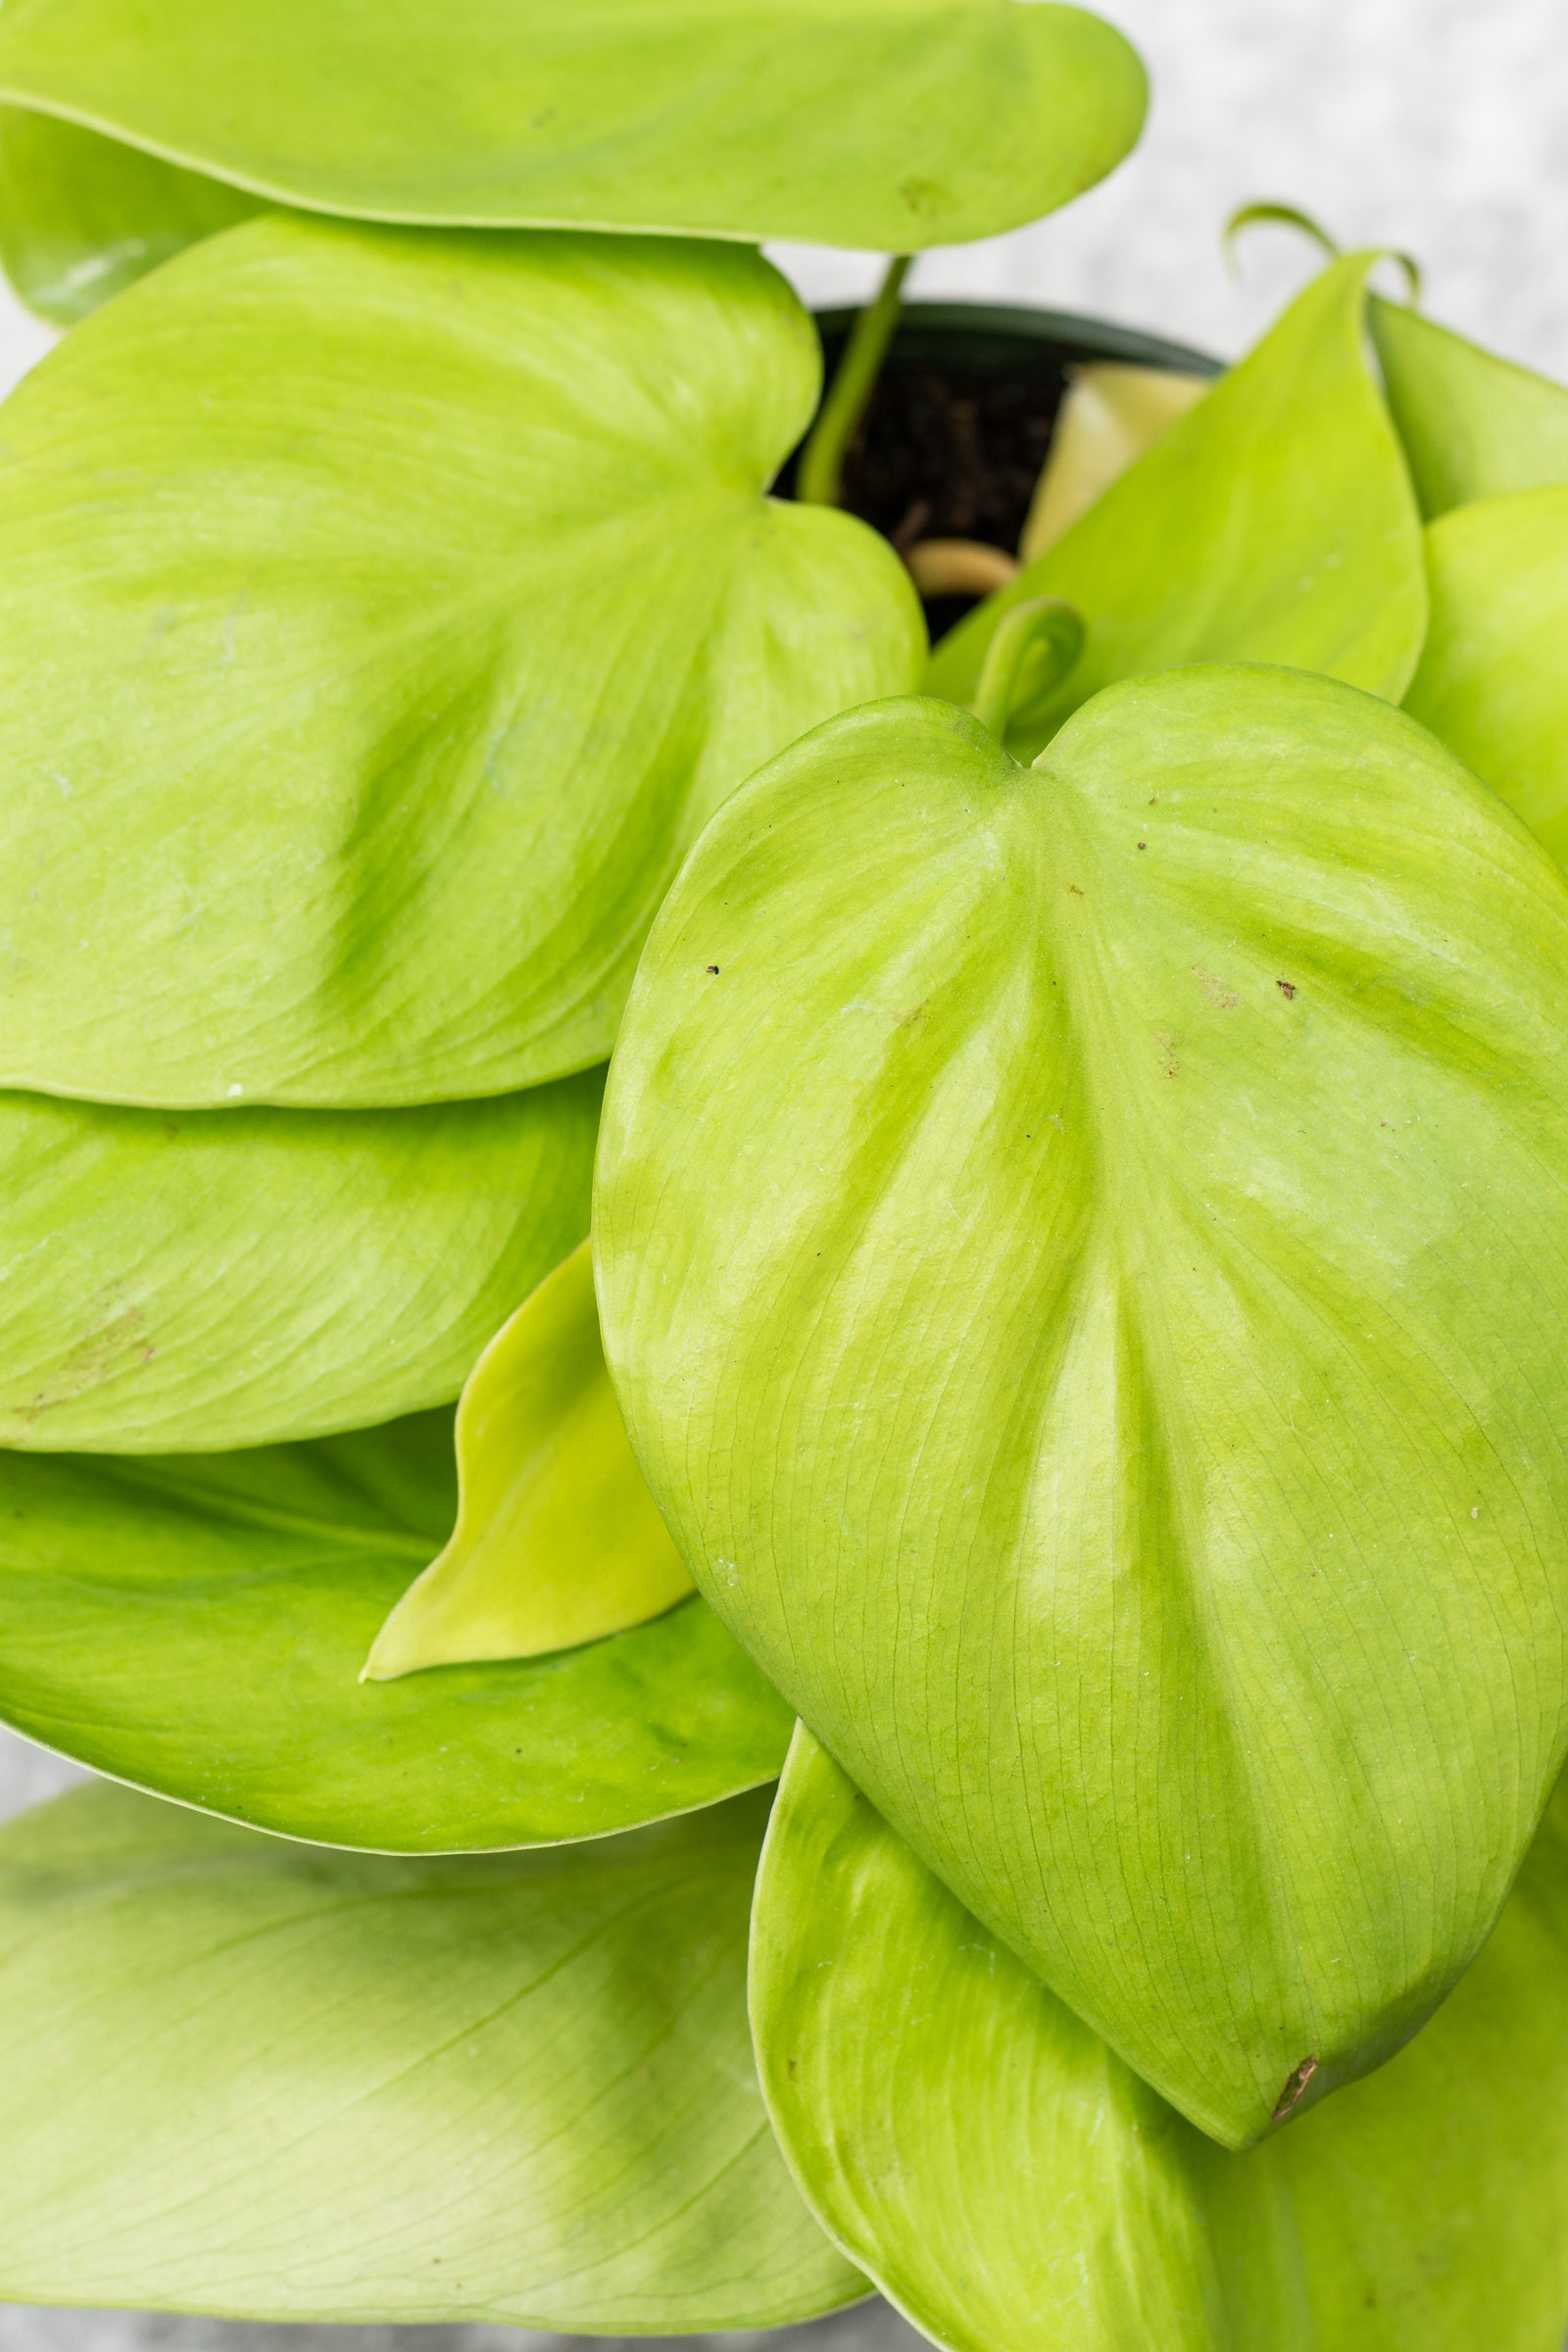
column 1290, row 216
column 1035, row 646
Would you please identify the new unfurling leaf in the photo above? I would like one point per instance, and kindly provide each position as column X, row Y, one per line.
column 557, row 1538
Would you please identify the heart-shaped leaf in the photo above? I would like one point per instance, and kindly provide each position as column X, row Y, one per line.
column 207, row 1279
column 1081, row 1258
column 82, row 216
column 1491, row 682
column 1273, row 523
column 1009, row 2183
column 557, row 1538
column 1473, row 425
column 196, row 1623
column 382, row 616
column 245, row 2076
column 895, row 124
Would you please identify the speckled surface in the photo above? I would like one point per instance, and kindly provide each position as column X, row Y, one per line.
column 1435, row 126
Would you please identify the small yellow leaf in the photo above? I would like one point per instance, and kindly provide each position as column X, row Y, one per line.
column 1111, row 415
column 558, row 1540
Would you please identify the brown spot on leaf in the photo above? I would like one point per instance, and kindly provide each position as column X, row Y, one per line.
column 1215, row 990
column 713, row 968
column 1076, row 892
column 1287, row 988
column 1296, row 2082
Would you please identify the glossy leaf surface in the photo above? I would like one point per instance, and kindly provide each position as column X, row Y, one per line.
column 1086, row 1282
column 1473, row 425
column 896, row 124
column 82, row 216
column 196, row 1623
column 245, row 2076
column 1491, row 682
column 212, row 1279
column 1010, row 2182
column 1273, row 523
column 384, row 615
column 557, row 1538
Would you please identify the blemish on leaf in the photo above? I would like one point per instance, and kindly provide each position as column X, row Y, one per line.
column 1296, row 2082
column 1165, row 1048
column 1215, row 990
column 1076, row 892
column 1287, row 988
column 713, row 968
column 1142, row 845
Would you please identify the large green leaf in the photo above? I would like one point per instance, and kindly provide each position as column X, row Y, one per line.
column 896, row 124
column 558, row 1540
column 381, row 615
column 82, row 216
column 242, row 2076
column 196, row 1623
column 1010, row 2184
column 1492, row 681
column 1082, row 1257
column 1273, row 523
column 207, row 1279
column 1473, row 425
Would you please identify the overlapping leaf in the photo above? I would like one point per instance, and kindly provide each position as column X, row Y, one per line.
column 1081, row 1258
column 1473, row 425
column 1274, row 523
column 1492, row 681
column 1010, row 2182
column 244, row 2076
column 381, row 617
column 196, row 1623
column 210, row 1279
column 557, row 1538
column 82, row 216
column 896, row 124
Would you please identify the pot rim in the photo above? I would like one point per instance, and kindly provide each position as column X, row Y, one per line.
column 1004, row 335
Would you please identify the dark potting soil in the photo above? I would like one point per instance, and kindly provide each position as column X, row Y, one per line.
column 950, row 453
column 954, row 455
column 960, row 421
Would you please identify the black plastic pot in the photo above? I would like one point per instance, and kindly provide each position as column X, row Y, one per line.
column 962, row 418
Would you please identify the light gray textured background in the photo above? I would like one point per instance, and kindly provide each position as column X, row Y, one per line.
column 1437, row 125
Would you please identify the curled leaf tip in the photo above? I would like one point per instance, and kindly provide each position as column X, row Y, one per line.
column 1270, row 214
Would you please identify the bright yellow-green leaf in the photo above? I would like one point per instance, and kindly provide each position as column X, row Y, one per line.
column 894, row 124
column 557, row 1538
column 1084, row 1259
column 1274, row 523
column 1010, row 2184
column 1473, row 425
column 1493, row 681
column 196, row 1623
column 381, row 616
column 248, row 2076
column 82, row 216
column 196, row 1280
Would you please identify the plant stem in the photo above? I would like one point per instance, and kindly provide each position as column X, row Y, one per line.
column 819, row 479
column 1035, row 645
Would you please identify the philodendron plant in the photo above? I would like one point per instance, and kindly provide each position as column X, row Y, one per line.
column 1069, row 1363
